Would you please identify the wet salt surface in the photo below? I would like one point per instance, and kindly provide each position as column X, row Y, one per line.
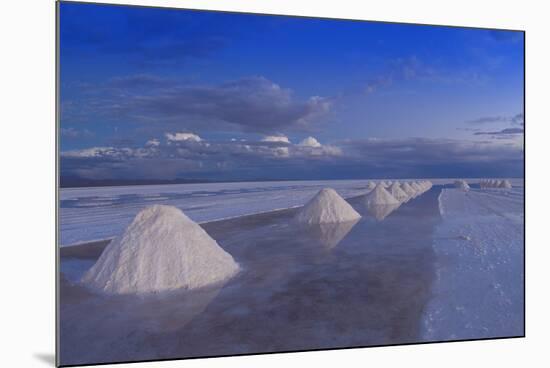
column 479, row 282
column 91, row 214
column 302, row 287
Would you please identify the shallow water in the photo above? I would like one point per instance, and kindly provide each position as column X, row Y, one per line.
column 90, row 214
column 301, row 287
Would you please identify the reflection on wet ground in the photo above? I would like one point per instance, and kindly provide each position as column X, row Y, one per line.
column 302, row 287
column 380, row 212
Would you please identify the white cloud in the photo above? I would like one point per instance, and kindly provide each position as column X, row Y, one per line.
column 91, row 152
column 316, row 152
column 405, row 156
column 331, row 151
column 152, row 143
column 193, row 150
column 281, row 152
column 116, row 153
column 310, row 147
column 182, row 136
column 276, row 138
column 75, row 133
column 252, row 104
column 310, row 142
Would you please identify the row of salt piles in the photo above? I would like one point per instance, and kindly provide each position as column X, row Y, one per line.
column 462, row 185
column 401, row 192
column 495, row 183
column 162, row 249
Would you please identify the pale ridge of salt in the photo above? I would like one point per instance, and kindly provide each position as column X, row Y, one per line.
column 408, row 189
column 398, row 193
column 492, row 183
column 505, row 184
column 326, row 207
column 162, row 249
column 380, row 196
column 427, row 184
column 424, row 185
column 371, row 185
column 462, row 185
column 440, row 204
column 416, row 186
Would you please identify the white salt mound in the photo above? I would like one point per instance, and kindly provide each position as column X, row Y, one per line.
column 505, row 184
column 417, row 187
column 462, row 184
column 162, row 249
column 371, row 185
column 493, row 183
column 380, row 196
column 489, row 183
column 326, row 207
column 409, row 190
column 428, row 184
column 425, row 185
column 398, row 193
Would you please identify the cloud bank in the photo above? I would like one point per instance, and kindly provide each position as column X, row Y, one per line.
column 184, row 153
column 190, row 156
column 252, row 104
column 505, row 132
column 516, row 119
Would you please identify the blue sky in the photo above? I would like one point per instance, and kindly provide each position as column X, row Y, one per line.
column 152, row 93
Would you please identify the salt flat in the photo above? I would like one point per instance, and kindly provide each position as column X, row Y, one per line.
column 479, row 283
column 364, row 282
column 446, row 265
column 88, row 214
